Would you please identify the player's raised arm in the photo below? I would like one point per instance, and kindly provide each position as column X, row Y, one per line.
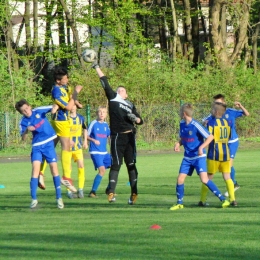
column 239, row 105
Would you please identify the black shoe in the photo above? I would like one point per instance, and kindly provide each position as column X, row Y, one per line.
column 233, row 203
column 203, row 204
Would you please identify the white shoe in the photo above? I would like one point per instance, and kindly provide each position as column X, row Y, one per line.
column 68, row 183
column 60, row 203
column 33, row 204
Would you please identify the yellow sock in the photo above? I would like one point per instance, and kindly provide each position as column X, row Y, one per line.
column 204, row 192
column 43, row 167
column 81, row 177
column 230, row 189
column 66, row 163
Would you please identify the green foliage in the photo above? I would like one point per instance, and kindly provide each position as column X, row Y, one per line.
column 17, row 84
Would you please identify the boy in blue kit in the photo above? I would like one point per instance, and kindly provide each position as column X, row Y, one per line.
column 231, row 116
column 192, row 136
column 98, row 133
column 35, row 121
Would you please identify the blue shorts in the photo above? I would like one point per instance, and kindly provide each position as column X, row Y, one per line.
column 101, row 160
column 188, row 166
column 233, row 147
column 45, row 151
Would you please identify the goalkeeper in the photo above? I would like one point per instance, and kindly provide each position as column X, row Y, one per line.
column 123, row 118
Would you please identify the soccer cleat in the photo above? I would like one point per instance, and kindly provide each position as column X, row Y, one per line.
column 92, row 194
column 68, row 183
column 80, row 194
column 41, row 184
column 33, row 204
column 71, row 195
column 225, row 204
column 233, row 203
column 60, row 203
column 111, row 197
column 236, row 186
column 203, row 204
column 177, row 206
column 132, row 199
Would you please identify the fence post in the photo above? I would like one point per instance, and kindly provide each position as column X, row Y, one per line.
column 88, row 114
column 7, row 126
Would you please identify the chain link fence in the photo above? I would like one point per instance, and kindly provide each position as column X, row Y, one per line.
column 161, row 123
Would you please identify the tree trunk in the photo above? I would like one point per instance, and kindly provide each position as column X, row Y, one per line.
column 242, row 32
column 216, row 37
column 254, row 44
column 72, row 24
column 35, row 26
column 27, row 14
column 189, row 50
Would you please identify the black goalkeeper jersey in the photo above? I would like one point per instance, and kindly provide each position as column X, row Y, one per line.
column 118, row 110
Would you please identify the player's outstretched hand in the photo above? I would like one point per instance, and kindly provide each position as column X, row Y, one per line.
column 78, row 88
column 95, row 64
column 132, row 117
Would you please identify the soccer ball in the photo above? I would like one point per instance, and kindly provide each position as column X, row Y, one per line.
column 89, row 55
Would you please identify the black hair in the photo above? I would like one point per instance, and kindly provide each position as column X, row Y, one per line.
column 20, row 103
column 219, row 96
column 59, row 72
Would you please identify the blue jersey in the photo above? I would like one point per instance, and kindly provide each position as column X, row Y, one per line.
column 230, row 115
column 99, row 131
column 192, row 137
column 218, row 149
column 43, row 132
column 61, row 97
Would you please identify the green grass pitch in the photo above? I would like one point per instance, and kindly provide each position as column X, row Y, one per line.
column 94, row 229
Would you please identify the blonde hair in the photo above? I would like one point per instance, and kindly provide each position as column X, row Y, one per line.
column 187, row 108
column 101, row 107
column 218, row 109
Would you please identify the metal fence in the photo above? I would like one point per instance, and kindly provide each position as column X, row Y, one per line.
column 161, row 123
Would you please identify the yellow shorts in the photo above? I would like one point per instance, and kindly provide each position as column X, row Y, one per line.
column 62, row 128
column 216, row 166
column 77, row 155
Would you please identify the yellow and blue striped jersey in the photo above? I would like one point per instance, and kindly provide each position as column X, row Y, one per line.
column 218, row 149
column 77, row 124
column 61, row 97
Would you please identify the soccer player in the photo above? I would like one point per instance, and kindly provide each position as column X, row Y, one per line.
column 61, row 120
column 123, row 117
column 231, row 115
column 35, row 121
column 78, row 125
column 98, row 134
column 194, row 138
column 218, row 156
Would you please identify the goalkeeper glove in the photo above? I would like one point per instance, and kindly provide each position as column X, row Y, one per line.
column 132, row 117
column 95, row 64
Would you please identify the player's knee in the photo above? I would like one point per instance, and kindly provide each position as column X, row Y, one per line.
column 131, row 166
column 115, row 168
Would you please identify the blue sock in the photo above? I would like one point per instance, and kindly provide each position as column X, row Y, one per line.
column 233, row 174
column 34, row 186
column 214, row 189
column 180, row 193
column 96, row 182
column 56, row 181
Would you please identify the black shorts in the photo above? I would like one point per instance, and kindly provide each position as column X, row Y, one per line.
column 123, row 147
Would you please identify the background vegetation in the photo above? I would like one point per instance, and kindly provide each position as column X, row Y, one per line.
column 191, row 66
